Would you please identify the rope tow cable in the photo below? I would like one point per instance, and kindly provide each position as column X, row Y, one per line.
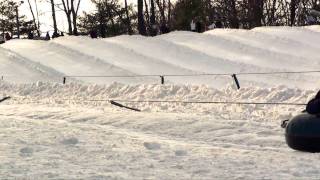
column 123, row 106
column 116, row 103
column 211, row 102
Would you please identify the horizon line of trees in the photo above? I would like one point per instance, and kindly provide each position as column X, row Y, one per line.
column 153, row 17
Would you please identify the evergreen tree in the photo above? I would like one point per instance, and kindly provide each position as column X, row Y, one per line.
column 187, row 10
column 8, row 22
column 110, row 19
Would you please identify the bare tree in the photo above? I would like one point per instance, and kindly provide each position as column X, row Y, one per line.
column 71, row 8
column 153, row 19
column 231, row 13
column 141, row 23
column 169, row 13
column 34, row 19
column 147, row 17
column 293, row 8
column 101, row 21
column 67, row 10
column 270, row 12
column 36, row 4
column 55, row 31
column 128, row 18
column 256, row 9
column 74, row 11
column 161, row 6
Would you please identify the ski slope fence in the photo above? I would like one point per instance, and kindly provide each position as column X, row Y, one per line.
column 162, row 77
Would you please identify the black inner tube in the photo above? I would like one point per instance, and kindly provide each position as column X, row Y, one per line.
column 303, row 133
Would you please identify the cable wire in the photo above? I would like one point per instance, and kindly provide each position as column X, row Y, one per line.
column 184, row 102
column 205, row 74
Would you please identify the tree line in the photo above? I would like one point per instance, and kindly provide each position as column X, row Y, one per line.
column 153, row 17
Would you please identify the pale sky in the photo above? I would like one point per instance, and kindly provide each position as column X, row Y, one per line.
column 45, row 12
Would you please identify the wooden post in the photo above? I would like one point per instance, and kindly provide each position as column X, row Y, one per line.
column 162, row 79
column 234, row 76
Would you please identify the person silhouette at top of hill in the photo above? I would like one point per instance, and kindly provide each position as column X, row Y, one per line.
column 47, row 38
column 193, row 26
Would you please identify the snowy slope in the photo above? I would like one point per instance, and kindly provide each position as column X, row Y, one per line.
column 55, row 131
column 179, row 53
column 62, row 143
column 18, row 69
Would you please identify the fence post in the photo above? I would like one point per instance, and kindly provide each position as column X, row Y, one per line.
column 64, row 80
column 2, row 78
column 234, row 76
column 162, row 79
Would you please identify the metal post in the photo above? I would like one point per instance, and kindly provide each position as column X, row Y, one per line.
column 162, row 79
column 64, row 80
column 234, row 76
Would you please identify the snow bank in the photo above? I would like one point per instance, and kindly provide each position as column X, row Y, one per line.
column 98, row 96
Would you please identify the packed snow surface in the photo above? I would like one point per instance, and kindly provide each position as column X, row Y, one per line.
column 51, row 130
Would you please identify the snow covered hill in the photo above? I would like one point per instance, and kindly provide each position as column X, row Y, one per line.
column 270, row 49
column 51, row 130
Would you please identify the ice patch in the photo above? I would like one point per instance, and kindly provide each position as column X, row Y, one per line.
column 180, row 153
column 26, row 152
column 70, row 141
column 152, row 145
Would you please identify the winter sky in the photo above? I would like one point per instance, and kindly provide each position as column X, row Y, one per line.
column 45, row 12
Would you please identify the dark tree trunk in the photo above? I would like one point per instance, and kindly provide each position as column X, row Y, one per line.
column 74, row 11
column 34, row 19
column 35, row 2
column 128, row 18
column 147, row 15
column 67, row 10
column 69, row 23
column 293, row 7
column 74, row 18
column 110, row 15
column 74, row 22
column 153, row 19
column 55, row 32
column 256, row 9
column 162, row 13
column 234, row 21
column 141, row 23
column 273, row 11
column 169, row 14
column 101, row 22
